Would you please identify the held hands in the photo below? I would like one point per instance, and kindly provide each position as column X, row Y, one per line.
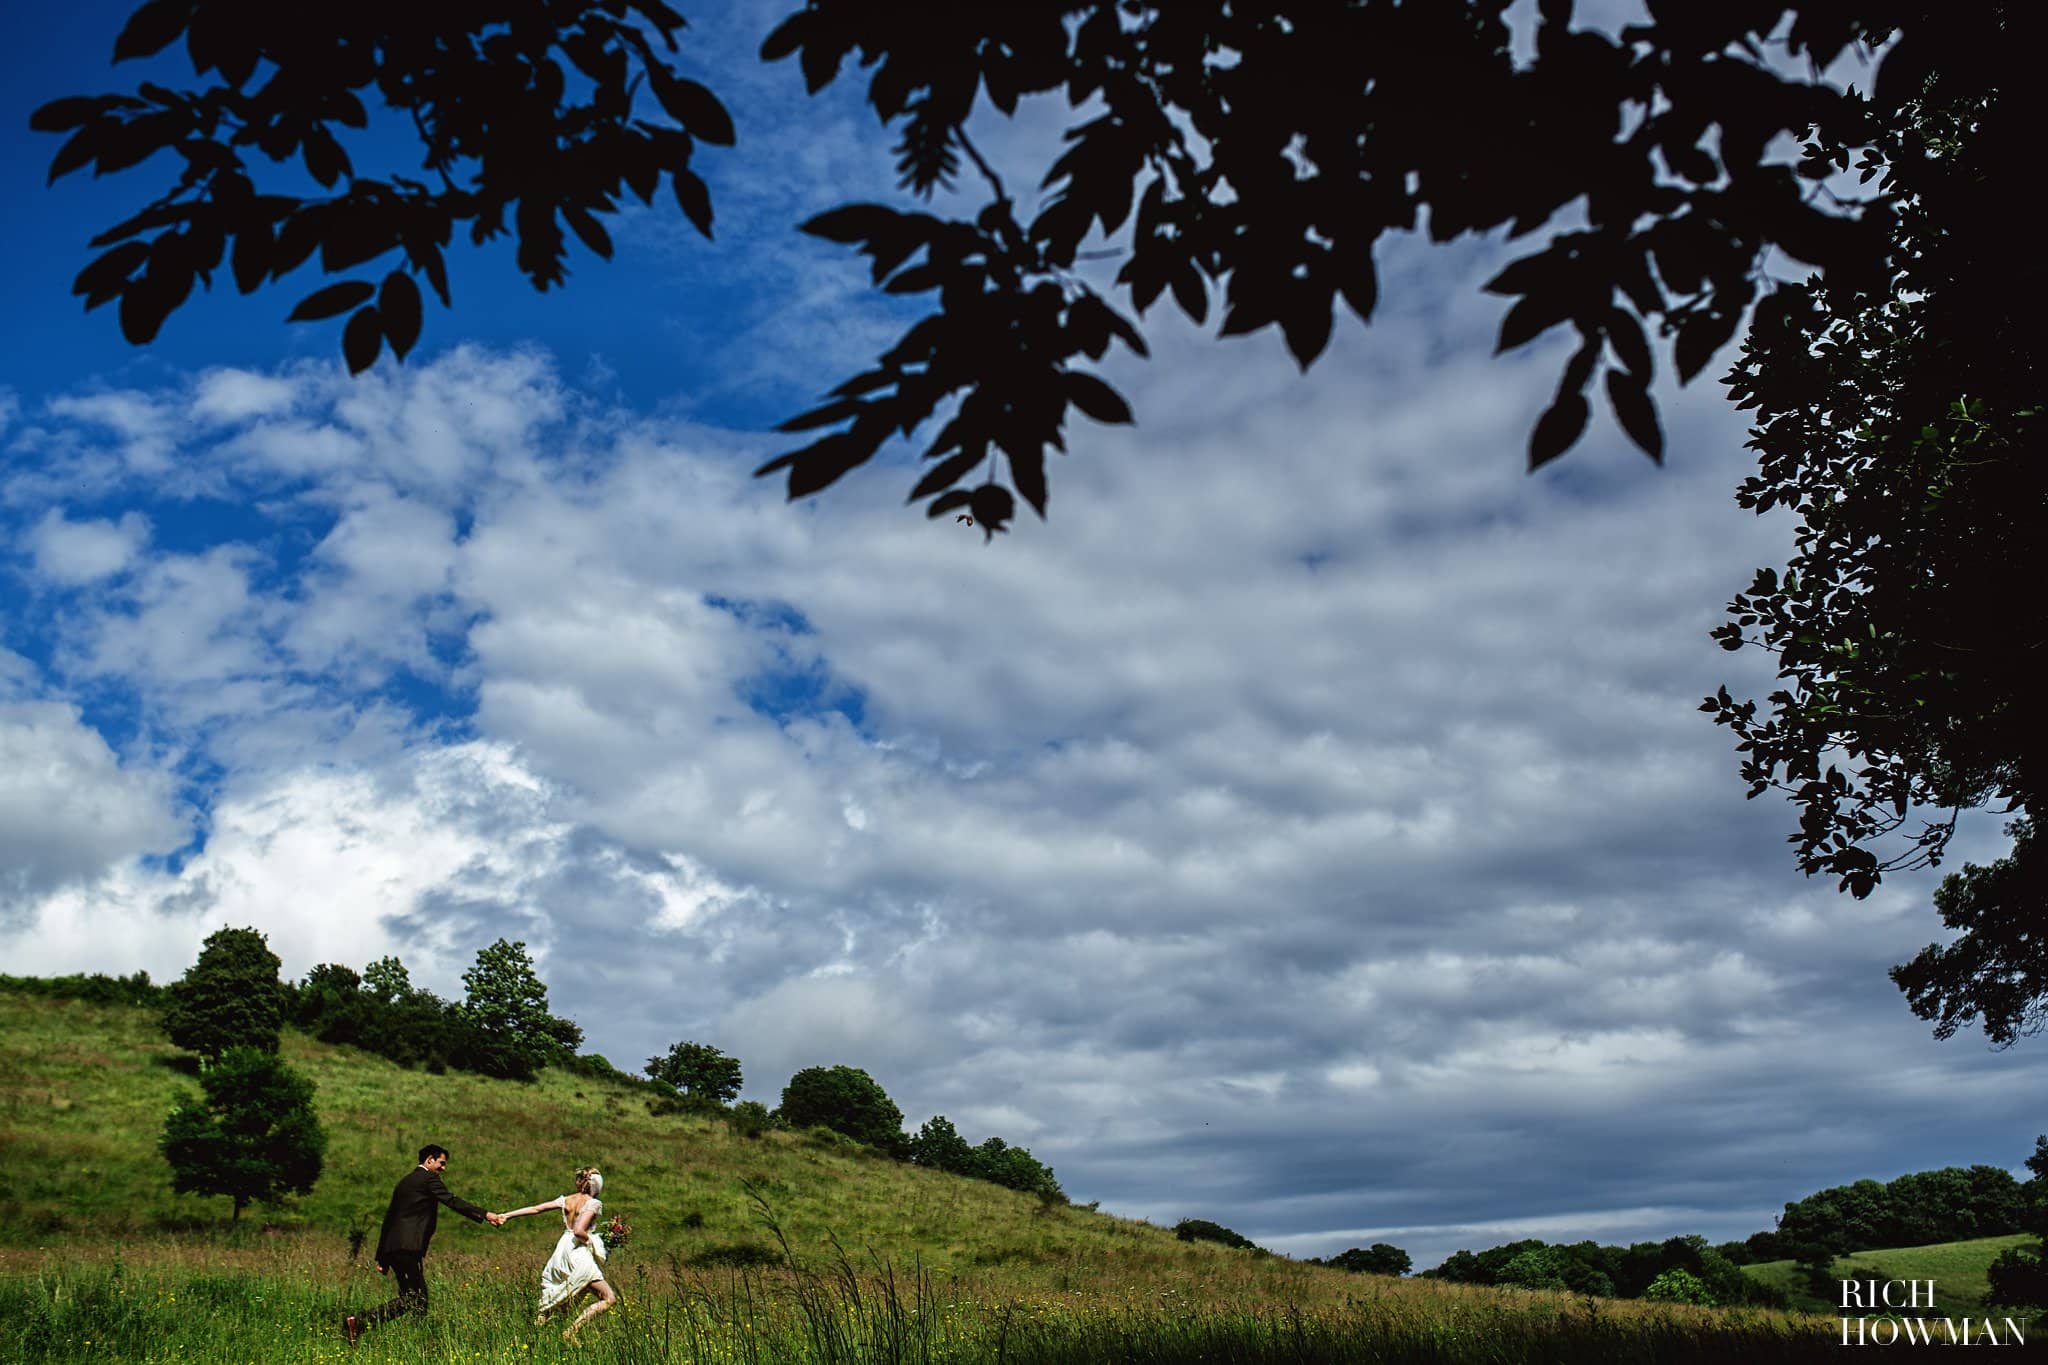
column 496, row 1220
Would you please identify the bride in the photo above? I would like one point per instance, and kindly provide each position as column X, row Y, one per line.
column 577, row 1266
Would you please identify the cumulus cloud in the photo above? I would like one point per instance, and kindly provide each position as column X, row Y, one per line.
column 71, row 553
column 69, row 809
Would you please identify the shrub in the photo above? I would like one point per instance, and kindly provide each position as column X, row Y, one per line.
column 1679, row 1286
column 750, row 1118
column 1202, row 1230
column 1378, row 1259
column 737, row 1256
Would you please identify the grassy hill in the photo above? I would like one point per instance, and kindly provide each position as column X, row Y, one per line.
column 1957, row 1269
column 891, row 1262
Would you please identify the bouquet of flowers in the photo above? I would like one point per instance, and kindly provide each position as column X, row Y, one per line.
column 616, row 1232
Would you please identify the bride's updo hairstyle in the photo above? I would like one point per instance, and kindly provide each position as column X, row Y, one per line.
column 593, row 1177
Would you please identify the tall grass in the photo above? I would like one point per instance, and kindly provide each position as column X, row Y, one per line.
column 834, row 1313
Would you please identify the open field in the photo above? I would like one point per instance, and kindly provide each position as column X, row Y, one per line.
column 1957, row 1269
column 885, row 1262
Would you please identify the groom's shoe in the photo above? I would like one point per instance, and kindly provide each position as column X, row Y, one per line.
column 351, row 1328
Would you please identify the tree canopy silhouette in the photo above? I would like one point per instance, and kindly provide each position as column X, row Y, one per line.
column 1248, row 160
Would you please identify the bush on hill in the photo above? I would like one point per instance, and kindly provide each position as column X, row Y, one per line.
column 1202, row 1230
column 96, row 989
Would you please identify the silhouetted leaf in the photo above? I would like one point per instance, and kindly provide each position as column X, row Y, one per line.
column 1630, row 397
column 588, row 229
column 992, row 507
column 1092, row 396
column 362, row 338
column 331, row 301
column 852, row 223
column 693, row 106
column 57, row 115
column 1306, row 326
column 250, row 259
column 1027, row 471
column 948, row 472
column 325, row 161
column 1557, row 429
column 111, row 270
column 1534, row 315
column 1625, row 335
column 946, row 502
column 1699, row 336
column 694, row 200
column 143, row 308
column 152, row 28
column 81, row 147
column 1191, row 293
column 398, row 304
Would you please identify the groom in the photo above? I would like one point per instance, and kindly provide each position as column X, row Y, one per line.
column 408, row 1228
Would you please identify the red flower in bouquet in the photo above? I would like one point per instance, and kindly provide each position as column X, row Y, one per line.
column 616, row 1233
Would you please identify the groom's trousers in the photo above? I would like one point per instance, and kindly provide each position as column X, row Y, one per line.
column 408, row 1269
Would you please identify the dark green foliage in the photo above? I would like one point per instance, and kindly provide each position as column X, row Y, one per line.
column 737, row 1256
column 1680, row 1286
column 250, row 1135
column 508, row 1031
column 1381, row 1258
column 749, row 1118
column 1330, row 127
column 2019, row 1277
column 1202, row 1230
column 1949, row 1205
column 698, row 1070
column 1997, row 967
column 97, row 988
column 846, row 1100
column 938, row 1144
column 230, row 997
column 1899, row 418
column 504, row 126
column 1607, row 1271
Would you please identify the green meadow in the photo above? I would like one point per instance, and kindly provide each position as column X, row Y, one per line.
column 1957, row 1269
column 781, row 1247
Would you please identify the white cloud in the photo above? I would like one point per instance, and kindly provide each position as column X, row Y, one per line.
column 69, row 809
column 72, row 553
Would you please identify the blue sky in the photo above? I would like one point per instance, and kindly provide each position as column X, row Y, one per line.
column 1308, row 828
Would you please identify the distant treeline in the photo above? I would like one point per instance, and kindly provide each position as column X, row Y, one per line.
column 1952, row 1204
column 1949, row 1205
column 1684, row 1268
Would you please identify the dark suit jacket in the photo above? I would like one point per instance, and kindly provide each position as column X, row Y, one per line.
column 415, row 1204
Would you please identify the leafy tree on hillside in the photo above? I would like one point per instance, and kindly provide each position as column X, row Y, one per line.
column 699, row 1071
column 1381, row 1258
column 230, row 997
column 848, row 1101
column 251, row 1135
column 938, row 1144
column 510, row 1032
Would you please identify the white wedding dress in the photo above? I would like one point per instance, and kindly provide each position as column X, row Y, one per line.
column 573, row 1266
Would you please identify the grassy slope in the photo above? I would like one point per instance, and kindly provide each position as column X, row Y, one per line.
column 1957, row 1269
column 84, row 1088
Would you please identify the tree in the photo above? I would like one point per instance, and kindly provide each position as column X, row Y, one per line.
column 1380, row 1258
column 1253, row 155
column 698, row 1070
column 251, row 1135
column 1202, row 1230
column 845, row 1099
column 230, row 997
column 938, row 1144
column 505, row 1013
column 1900, row 421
